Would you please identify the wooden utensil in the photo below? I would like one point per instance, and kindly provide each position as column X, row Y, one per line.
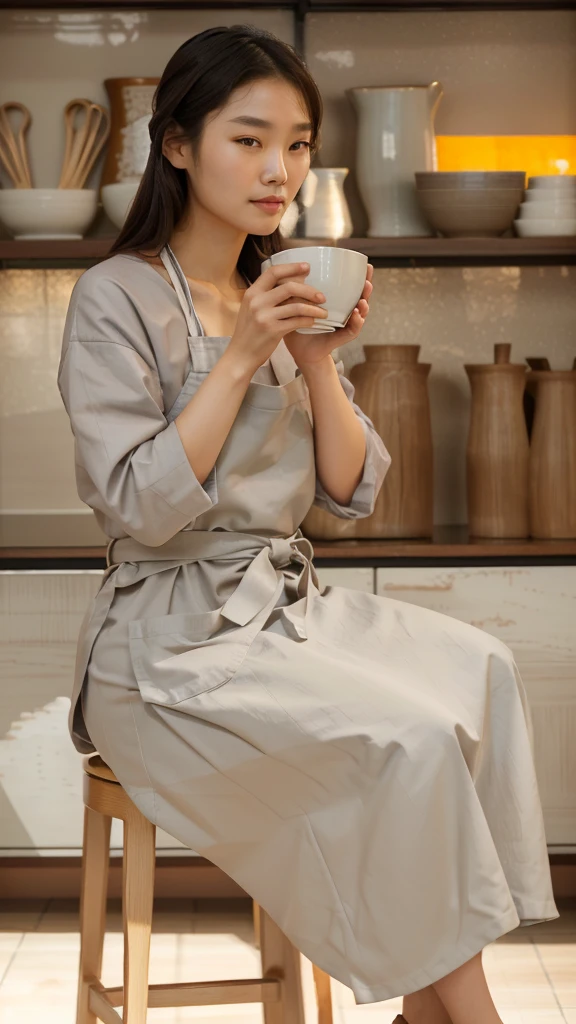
column 13, row 144
column 83, row 144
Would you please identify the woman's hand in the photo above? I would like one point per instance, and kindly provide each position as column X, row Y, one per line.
column 307, row 349
column 272, row 308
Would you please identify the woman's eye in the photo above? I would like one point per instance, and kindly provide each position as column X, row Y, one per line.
column 249, row 139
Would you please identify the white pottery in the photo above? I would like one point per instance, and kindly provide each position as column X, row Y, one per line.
column 48, row 212
column 117, row 198
column 326, row 213
column 554, row 211
column 549, row 195
column 339, row 273
column 557, row 181
column 395, row 140
column 544, row 228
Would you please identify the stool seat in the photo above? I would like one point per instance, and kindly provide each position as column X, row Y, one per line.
column 95, row 766
column 279, row 988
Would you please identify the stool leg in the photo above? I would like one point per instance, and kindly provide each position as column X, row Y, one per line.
column 323, row 995
column 94, row 886
column 137, row 903
column 256, row 920
column 280, row 959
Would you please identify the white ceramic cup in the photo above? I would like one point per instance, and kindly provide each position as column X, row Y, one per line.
column 339, row 273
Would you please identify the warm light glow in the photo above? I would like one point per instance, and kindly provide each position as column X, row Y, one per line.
column 536, row 154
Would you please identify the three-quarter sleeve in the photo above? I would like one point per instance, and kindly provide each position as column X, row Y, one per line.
column 376, row 466
column 130, row 462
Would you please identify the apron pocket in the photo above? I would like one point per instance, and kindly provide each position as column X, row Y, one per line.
column 179, row 656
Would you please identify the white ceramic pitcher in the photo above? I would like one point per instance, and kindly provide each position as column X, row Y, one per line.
column 395, row 139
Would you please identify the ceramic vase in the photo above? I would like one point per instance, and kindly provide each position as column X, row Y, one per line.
column 395, row 139
column 326, row 213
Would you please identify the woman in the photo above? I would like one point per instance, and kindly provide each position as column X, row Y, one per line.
column 361, row 766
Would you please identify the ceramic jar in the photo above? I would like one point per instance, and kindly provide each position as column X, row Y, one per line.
column 497, row 451
column 395, row 139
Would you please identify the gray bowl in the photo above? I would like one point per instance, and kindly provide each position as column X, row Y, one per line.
column 470, row 179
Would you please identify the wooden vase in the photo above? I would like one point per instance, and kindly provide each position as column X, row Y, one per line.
column 391, row 387
column 552, row 488
column 497, row 451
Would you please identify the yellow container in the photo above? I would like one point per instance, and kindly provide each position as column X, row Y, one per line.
column 536, row 154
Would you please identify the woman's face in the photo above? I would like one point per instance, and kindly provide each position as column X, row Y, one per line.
column 254, row 147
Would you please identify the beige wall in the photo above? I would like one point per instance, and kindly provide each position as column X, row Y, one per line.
column 502, row 72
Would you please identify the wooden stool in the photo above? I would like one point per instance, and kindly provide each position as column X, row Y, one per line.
column 279, row 988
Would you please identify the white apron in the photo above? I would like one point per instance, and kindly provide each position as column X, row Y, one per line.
column 362, row 767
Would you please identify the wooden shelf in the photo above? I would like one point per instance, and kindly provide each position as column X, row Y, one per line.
column 393, row 252
column 450, row 543
column 300, row 7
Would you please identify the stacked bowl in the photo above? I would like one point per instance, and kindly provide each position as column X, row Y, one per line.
column 549, row 206
column 473, row 204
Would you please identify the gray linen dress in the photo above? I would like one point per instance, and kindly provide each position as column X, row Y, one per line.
column 361, row 766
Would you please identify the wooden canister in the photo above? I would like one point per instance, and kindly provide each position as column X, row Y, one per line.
column 497, row 451
column 129, row 142
column 391, row 387
column 552, row 489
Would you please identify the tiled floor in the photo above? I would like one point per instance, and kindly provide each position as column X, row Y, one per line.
column 532, row 971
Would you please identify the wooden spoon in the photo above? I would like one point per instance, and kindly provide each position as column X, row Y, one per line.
column 97, row 136
column 76, row 139
column 13, row 144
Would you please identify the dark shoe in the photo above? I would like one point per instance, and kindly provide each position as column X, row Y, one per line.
column 400, row 1020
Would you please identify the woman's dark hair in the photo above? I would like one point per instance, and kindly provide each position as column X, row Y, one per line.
column 197, row 80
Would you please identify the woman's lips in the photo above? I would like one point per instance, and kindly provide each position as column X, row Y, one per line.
column 271, row 207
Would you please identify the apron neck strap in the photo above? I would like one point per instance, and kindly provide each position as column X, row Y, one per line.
column 182, row 289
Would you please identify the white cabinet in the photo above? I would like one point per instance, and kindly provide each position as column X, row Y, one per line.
column 358, row 578
column 533, row 610
column 41, row 807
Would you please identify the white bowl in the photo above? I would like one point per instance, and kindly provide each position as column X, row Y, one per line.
column 553, row 211
column 545, row 228
column 558, row 181
column 339, row 273
column 48, row 212
column 116, row 200
column 549, row 195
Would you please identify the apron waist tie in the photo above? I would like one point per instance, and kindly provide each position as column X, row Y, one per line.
column 259, row 586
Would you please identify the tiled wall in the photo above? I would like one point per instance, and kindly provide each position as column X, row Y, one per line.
column 502, row 72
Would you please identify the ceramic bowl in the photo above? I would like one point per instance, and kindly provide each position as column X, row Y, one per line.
column 471, row 223
column 545, row 227
column 557, row 181
column 549, row 195
column 470, row 179
column 339, row 273
column 510, row 197
column 116, row 200
column 551, row 211
column 48, row 212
